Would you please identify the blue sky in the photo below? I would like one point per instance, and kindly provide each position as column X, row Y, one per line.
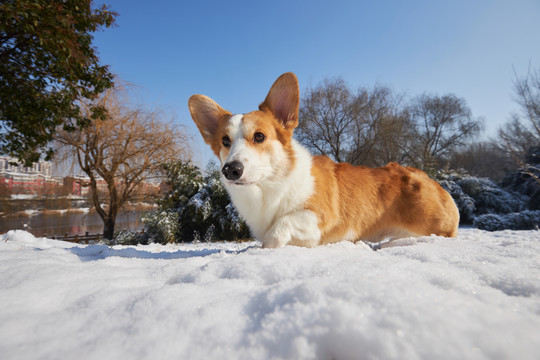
column 232, row 51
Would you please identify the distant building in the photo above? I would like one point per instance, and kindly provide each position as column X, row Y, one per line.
column 77, row 185
column 80, row 185
column 12, row 165
column 164, row 187
column 19, row 179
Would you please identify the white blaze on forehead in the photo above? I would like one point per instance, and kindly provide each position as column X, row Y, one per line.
column 236, row 135
column 235, row 127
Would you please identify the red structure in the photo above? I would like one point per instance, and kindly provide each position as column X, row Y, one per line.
column 15, row 179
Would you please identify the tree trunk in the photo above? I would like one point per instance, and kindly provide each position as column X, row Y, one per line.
column 108, row 227
column 112, row 212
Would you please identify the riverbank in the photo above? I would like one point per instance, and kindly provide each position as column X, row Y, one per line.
column 33, row 212
column 30, row 203
column 71, row 221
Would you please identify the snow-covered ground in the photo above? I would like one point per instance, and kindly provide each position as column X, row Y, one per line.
column 474, row 297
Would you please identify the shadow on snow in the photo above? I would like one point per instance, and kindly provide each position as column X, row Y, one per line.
column 99, row 252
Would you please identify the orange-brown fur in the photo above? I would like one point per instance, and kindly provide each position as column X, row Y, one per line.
column 373, row 203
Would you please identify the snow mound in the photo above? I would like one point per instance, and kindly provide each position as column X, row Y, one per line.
column 476, row 296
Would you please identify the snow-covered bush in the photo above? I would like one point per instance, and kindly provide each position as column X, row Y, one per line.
column 524, row 220
column 463, row 201
column 196, row 208
column 125, row 237
column 210, row 213
column 160, row 226
column 524, row 182
column 478, row 196
column 490, row 198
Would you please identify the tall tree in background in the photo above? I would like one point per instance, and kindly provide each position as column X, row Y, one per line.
column 126, row 147
column 47, row 63
column 443, row 124
column 326, row 117
column 370, row 127
column 520, row 137
column 382, row 129
column 483, row 159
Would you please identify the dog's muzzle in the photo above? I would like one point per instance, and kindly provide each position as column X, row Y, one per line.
column 233, row 170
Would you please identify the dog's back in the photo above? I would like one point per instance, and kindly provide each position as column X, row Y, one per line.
column 355, row 202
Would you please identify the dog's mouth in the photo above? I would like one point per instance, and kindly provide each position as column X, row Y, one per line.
column 242, row 182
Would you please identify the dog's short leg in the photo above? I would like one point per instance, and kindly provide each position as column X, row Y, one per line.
column 297, row 228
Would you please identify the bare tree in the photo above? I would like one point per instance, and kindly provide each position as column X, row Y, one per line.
column 483, row 159
column 443, row 124
column 396, row 135
column 367, row 128
column 326, row 116
column 375, row 126
column 520, row 137
column 124, row 148
column 381, row 128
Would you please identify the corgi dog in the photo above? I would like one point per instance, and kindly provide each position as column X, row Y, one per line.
column 289, row 197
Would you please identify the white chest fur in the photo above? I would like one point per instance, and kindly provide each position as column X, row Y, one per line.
column 273, row 208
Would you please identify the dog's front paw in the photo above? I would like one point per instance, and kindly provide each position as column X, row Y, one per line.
column 272, row 243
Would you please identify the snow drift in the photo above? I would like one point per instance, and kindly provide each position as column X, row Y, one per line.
column 477, row 296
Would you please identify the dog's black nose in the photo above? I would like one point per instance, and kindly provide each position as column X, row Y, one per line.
column 233, row 170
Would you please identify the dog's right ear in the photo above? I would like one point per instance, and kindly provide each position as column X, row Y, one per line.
column 207, row 114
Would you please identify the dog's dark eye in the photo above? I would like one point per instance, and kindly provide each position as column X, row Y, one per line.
column 259, row 137
column 226, row 141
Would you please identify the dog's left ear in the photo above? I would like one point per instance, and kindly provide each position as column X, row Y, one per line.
column 283, row 100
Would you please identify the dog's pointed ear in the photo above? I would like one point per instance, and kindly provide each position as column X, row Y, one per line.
column 283, row 100
column 207, row 114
